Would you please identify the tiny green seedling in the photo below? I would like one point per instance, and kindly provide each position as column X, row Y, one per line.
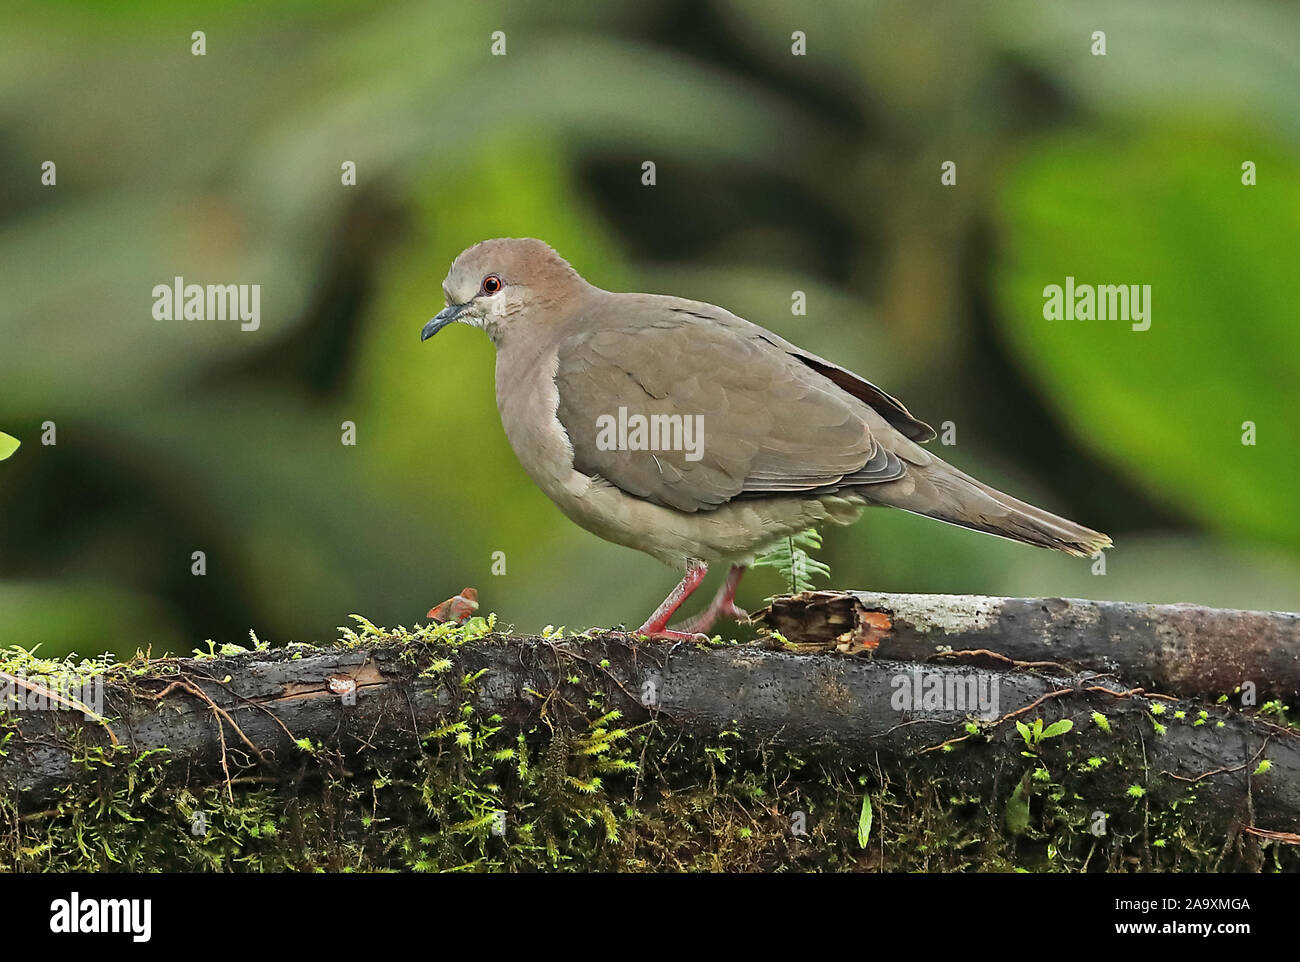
column 1035, row 734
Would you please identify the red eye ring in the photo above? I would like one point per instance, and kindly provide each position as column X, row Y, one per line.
column 491, row 285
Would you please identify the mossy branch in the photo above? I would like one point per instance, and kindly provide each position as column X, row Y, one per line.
column 570, row 719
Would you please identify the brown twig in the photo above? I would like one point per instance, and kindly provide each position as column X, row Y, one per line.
column 66, row 702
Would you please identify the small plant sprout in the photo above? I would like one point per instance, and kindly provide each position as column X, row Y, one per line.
column 791, row 557
column 1034, row 735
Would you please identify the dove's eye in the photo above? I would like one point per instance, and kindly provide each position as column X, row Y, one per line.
column 491, row 284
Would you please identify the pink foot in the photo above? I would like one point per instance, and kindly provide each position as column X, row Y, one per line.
column 722, row 606
column 656, row 626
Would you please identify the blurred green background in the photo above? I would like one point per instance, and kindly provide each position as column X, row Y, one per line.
column 776, row 173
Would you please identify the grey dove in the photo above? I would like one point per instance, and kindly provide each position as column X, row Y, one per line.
column 677, row 428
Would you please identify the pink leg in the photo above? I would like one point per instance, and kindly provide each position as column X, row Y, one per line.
column 723, row 605
column 656, row 625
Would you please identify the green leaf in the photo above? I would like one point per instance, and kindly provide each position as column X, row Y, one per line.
column 864, row 822
column 1018, row 810
column 1025, row 733
column 8, row 445
column 1057, row 728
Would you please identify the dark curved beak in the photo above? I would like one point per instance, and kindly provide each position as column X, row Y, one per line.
column 446, row 316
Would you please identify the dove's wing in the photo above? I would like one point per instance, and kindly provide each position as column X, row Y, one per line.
column 764, row 420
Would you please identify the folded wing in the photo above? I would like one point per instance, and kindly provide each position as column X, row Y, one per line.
column 762, row 420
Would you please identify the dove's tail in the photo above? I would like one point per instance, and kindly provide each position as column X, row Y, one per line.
column 940, row 491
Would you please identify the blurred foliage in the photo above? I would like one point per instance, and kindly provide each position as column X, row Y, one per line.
column 775, row 173
column 1223, row 347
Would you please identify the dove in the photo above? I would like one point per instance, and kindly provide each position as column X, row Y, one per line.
column 682, row 430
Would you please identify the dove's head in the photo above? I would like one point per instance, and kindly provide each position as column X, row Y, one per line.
column 504, row 282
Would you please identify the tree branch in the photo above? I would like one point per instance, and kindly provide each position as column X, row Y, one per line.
column 237, row 718
column 1187, row 650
